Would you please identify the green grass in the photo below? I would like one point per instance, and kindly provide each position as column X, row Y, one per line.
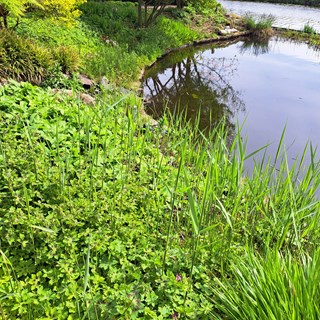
column 276, row 286
column 309, row 29
column 258, row 25
column 104, row 217
column 298, row 36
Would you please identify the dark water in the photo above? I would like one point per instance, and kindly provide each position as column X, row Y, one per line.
column 285, row 15
column 266, row 85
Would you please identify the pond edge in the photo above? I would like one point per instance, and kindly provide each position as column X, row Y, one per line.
column 192, row 44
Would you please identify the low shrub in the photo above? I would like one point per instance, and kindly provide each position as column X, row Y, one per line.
column 67, row 58
column 22, row 59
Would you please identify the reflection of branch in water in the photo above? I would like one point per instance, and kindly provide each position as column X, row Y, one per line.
column 255, row 46
column 223, row 69
column 199, row 83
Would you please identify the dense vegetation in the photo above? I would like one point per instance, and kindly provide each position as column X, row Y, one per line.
column 104, row 216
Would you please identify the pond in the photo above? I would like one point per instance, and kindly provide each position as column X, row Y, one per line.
column 266, row 85
column 285, row 15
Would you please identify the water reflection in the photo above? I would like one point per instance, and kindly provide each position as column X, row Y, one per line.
column 255, row 46
column 197, row 84
column 271, row 84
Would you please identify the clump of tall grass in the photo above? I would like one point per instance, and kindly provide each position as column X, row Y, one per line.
column 261, row 27
column 22, row 59
column 309, row 29
column 276, row 286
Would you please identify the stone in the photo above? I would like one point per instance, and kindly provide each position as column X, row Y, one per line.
column 105, row 83
column 84, row 97
column 67, row 92
column 87, row 99
column 147, row 118
column 228, row 31
column 86, row 82
column 3, row 81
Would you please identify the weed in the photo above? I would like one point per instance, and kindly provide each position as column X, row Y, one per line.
column 309, row 29
column 271, row 287
column 261, row 27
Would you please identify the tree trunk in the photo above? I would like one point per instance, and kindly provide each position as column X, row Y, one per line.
column 180, row 4
column 4, row 15
column 140, row 13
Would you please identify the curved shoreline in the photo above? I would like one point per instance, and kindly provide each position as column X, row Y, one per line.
column 149, row 119
column 277, row 31
column 205, row 41
column 193, row 44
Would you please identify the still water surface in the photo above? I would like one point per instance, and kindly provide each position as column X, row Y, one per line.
column 286, row 16
column 266, row 85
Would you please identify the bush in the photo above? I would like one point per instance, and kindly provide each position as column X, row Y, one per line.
column 261, row 27
column 22, row 59
column 67, row 58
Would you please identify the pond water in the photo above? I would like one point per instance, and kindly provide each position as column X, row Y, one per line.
column 265, row 85
column 286, row 16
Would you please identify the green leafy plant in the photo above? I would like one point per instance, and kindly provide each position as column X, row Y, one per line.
column 104, row 216
column 67, row 58
column 14, row 8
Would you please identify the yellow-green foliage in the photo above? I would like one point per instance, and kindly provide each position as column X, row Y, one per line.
column 23, row 59
column 67, row 58
column 63, row 8
column 17, row 7
column 14, row 8
column 67, row 9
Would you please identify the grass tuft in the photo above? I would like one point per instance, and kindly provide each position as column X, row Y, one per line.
column 309, row 29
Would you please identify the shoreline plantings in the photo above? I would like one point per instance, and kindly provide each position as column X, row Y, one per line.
column 104, row 216
column 309, row 29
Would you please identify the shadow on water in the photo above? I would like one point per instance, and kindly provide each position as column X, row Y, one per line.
column 196, row 83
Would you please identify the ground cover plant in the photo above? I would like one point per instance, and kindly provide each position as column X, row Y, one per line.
column 103, row 217
column 313, row 39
